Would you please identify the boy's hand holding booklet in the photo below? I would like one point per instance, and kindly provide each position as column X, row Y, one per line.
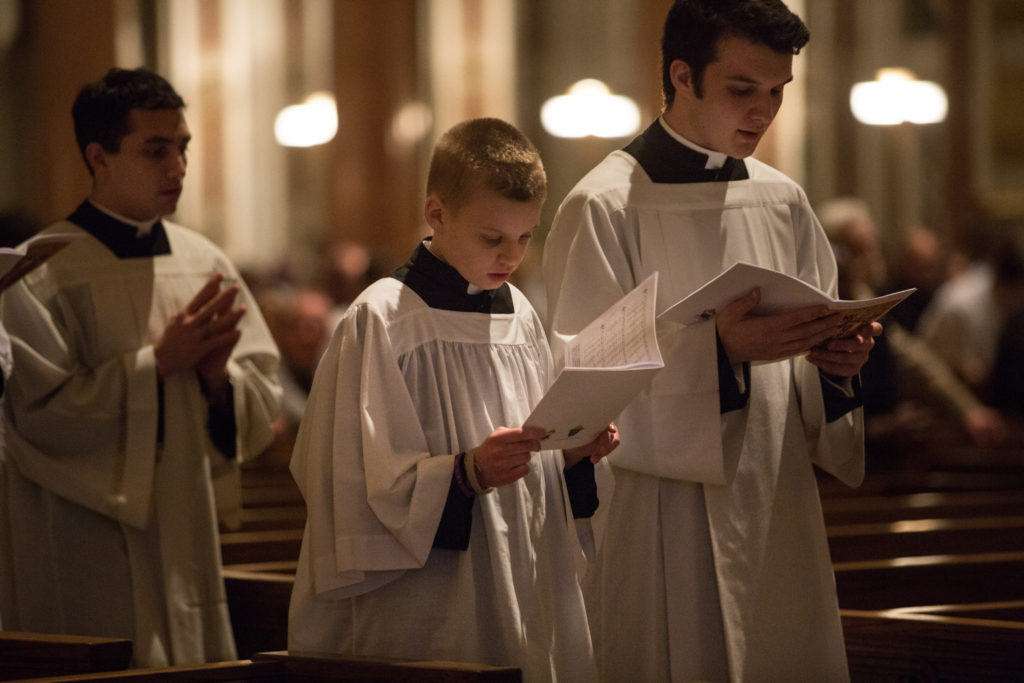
column 18, row 262
column 608, row 363
column 614, row 357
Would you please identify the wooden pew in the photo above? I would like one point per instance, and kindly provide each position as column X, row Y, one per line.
column 218, row 672
column 930, row 580
column 258, row 594
column 316, row 668
column 266, row 545
column 914, row 537
column 268, row 485
column 283, row 667
column 899, row 647
column 925, row 505
column 276, row 516
column 23, row 655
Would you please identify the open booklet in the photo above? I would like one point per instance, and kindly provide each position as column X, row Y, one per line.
column 779, row 293
column 606, row 364
column 16, row 263
column 614, row 357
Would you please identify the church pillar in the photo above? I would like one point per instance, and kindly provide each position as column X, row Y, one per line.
column 59, row 57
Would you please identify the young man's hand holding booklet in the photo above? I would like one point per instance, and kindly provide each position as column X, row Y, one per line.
column 613, row 358
column 17, row 263
column 779, row 293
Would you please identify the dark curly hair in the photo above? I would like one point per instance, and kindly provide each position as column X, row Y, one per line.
column 100, row 111
column 693, row 29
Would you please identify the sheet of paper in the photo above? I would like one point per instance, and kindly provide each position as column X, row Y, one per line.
column 608, row 363
column 621, row 336
column 582, row 401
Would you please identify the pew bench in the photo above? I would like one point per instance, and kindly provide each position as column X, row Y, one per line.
column 915, row 537
column 924, row 505
column 258, row 594
column 23, row 655
column 266, row 545
column 896, row 646
column 277, row 516
column 930, row 580
column 285, row 667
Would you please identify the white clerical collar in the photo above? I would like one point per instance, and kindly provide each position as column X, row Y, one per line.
column 715, row 159
column 143, row 227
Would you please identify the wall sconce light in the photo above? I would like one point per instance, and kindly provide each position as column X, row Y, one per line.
column 895, row 97
column 590, row 108
column 311, row 123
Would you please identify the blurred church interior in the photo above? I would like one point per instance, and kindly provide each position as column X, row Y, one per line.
column 402, row 71
column 392, row 75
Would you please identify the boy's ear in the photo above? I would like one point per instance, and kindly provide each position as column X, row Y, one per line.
column 434, row 212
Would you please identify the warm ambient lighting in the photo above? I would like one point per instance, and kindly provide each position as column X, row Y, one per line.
column 589, row 108
column 896, row 97
column 313, row 122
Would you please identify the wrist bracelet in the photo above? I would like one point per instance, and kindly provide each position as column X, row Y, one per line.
column 460, row 476
column 471, row 472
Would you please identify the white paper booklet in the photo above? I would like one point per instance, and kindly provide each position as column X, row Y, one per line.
column 779, row 293
column 608, row 363
column 17, row 262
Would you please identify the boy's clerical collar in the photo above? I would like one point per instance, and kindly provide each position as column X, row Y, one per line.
column 667, row 157
column 715, row 160
column 441, row 286
column 120, row 235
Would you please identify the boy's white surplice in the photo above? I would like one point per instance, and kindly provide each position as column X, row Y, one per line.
column 401, row 389
column 709, row 509
column 115, row 530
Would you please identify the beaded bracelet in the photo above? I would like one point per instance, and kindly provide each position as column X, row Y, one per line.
column 460, row 476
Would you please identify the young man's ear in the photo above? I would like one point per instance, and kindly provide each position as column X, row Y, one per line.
column 95, row 156
column 434, row 211
column 682, row 77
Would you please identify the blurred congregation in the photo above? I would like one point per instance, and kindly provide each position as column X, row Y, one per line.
column 937, row 206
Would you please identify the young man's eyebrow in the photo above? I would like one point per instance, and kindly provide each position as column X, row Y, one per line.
column 164, row 140
column 747, row 79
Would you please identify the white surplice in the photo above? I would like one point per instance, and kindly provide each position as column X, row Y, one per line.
column 402, row 388
column 115, row 533
column 714, row 563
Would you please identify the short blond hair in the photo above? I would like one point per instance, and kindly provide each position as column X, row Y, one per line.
column 485, row 154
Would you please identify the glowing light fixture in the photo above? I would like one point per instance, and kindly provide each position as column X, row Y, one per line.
column 590, row 108
column 313, row 122
column 411, row 122
column 895, row 96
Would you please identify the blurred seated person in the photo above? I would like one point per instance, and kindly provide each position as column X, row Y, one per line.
column 1008, row 371
column 299, row 322
column 908, row 389
column 963, row 320
column 918, row 260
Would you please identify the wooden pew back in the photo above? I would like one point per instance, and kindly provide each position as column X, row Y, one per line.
column 23, row 655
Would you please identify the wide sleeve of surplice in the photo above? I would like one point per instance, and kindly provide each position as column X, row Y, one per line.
column 373, row 492
column 253, row 372
column 256, row 395
column 69, row 424
column 837, row 447
column 587, row 267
